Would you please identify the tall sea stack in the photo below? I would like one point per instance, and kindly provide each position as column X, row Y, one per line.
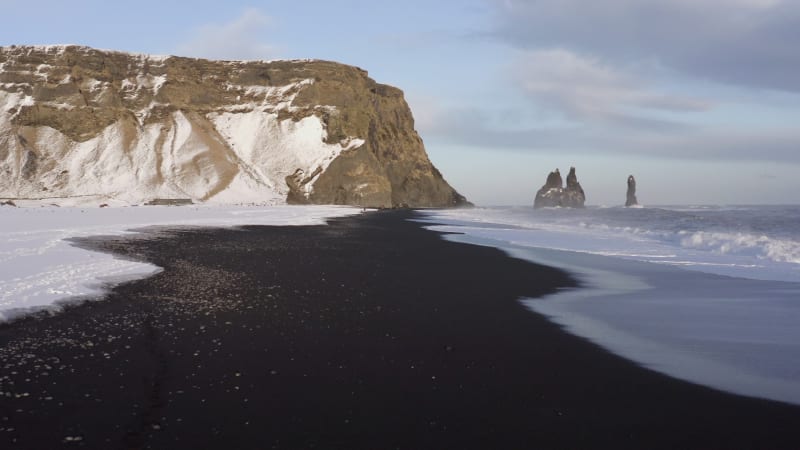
column 553, row 194
column 631, row 195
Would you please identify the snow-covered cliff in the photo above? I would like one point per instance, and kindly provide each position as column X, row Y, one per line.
column 79, row 123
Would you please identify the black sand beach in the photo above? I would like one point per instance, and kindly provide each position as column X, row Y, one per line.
column 368, row 333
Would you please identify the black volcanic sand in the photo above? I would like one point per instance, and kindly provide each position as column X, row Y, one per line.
column 368, row 333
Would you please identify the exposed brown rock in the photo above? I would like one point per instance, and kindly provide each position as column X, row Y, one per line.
column 81, row 93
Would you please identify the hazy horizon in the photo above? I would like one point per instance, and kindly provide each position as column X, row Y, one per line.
column 504, row 91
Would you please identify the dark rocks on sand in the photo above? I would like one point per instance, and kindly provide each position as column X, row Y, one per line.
column 8, row 203
column 554, row 194
column 169, row 202
column 631, row 195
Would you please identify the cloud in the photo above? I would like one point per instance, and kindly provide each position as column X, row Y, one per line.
column 240, row 39
column 586, row 89
column 743, row 42
column 475, row 127
column 482, row 128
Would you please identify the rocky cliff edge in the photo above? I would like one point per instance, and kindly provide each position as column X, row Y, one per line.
column 80, row 122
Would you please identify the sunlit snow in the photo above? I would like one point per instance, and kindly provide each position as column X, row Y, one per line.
column 241, row 152
column 38, row 268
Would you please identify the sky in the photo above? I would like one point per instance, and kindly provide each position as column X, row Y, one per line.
column 698, row 99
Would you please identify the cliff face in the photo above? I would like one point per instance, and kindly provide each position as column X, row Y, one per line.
column 75, row 121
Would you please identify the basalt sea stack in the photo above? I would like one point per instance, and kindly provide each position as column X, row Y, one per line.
column 553, row 193
column 126, row 128
column 630, row 199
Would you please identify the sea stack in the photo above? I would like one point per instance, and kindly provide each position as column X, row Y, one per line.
column 553, row 194
column 631, row 195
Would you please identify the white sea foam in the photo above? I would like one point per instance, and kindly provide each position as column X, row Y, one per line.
column 758, row 246
column 638, row 299
column 757, row 242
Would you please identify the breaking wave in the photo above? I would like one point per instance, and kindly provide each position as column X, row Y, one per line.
column 761, row 242
column 758, row 246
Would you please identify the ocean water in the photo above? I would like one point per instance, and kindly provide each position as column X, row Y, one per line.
column 760, row 242
column 709, row 294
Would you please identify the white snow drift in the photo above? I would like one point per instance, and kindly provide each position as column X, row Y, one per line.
column 38, row 268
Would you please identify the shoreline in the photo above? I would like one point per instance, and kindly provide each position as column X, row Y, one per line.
column 370, row 332
column 659, row 316
column 40, row 271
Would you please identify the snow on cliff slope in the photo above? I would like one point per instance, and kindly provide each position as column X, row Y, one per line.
column 126, row 135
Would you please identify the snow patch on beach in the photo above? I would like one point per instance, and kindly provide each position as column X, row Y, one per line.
column 39, row 268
